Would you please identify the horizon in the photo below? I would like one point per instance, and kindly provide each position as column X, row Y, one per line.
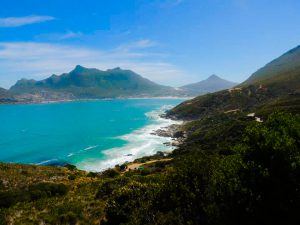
column 231, row 39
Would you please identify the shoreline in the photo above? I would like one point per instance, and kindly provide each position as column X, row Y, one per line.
column 143, row 142
column 164, row 132
column 92, row 99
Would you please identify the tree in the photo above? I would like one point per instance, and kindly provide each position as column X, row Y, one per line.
column 260, row 184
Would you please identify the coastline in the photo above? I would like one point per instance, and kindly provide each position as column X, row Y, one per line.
column 161, row 135
column 157, row 135
column 92, row 99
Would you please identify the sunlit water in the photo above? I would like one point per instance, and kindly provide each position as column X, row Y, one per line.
column 93, row 135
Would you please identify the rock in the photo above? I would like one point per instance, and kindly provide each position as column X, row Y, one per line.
column 170, row 131
column 168, row 144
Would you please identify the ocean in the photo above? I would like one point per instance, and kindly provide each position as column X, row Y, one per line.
column 93, row 135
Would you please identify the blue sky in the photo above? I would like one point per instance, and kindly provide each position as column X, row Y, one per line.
column 172, row 42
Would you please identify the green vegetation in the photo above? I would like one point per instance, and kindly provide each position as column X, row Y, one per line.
column 277, row 82
column 287, row 65
column 38, row 194
column 257, row 184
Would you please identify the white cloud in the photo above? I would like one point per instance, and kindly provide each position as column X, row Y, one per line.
column 58, row 36
column 70, row 34
column 140, row 44
column 39, row 60
column 21, row 21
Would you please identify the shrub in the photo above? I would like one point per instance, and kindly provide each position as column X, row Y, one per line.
column 92, row 174
column 34, row 192
column 110, row 173
column 70, row 167
column 71, row 177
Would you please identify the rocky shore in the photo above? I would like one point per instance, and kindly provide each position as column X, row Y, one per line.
column 173, row 131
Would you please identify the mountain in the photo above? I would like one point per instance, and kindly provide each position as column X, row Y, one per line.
column 83, row 83
column 6, row 96
column 276, row 84
column 211, row 84
column 3, row 92
column 285, row 67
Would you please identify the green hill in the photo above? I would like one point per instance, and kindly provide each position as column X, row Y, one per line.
column 277, row 81
column 285, row 67
column 92, row 83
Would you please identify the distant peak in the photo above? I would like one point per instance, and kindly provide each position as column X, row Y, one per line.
column 213, row 76
column 117, row 68
column 79, row 68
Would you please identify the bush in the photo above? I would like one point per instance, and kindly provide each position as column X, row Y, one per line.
column 110, row 173
column 72, row 177
column 34, row 192
column 261, row 182
column 40, row 190
column 92, row 174
column 69, row 218
column 70, row 167
column 108, row 186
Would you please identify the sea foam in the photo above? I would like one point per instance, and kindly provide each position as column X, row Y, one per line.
column 141, row 142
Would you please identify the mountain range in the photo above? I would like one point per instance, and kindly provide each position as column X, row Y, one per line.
column 90, row 83
column 83, row 83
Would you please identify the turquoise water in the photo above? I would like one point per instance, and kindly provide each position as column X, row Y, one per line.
column 92, row 135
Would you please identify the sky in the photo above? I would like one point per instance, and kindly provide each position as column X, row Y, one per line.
column 172, row 42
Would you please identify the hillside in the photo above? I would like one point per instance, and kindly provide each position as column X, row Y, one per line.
column 277, row 81
column 3, row 92
column 6, row 96
column 211, row 84
column 82, row 83
column 63, row 193
column 284, row 67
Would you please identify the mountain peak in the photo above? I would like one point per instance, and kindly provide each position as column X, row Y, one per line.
column 79, row 68
column 211, row 84
column 213, row 76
